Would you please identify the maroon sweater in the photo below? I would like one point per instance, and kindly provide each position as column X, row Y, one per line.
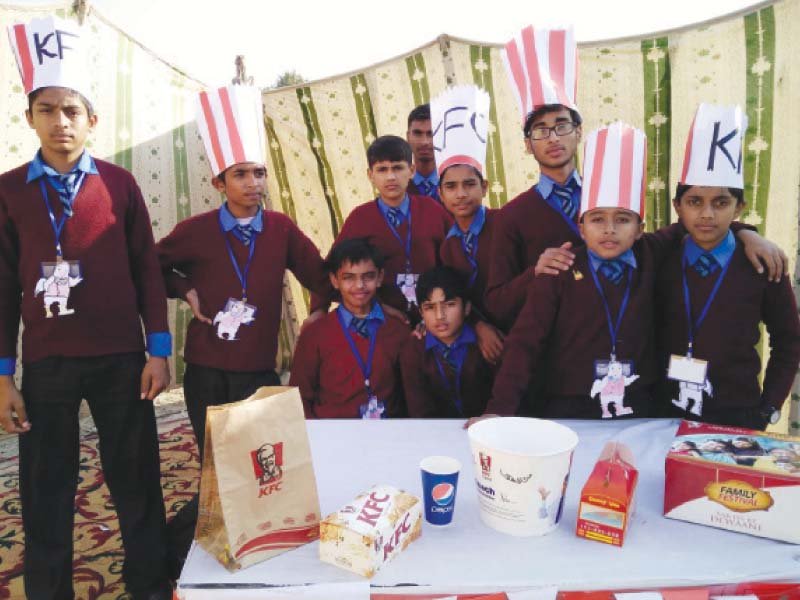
column 110, row 234
column 452, row 255
column 729, row 333
column 426, row 394
column 196, row 248
column 523, row 229
column 429, row 226
column 330, row 380
column 562, row 329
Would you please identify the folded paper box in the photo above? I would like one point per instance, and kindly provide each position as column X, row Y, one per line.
column 371, row 530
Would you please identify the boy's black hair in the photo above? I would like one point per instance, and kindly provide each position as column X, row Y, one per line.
column 477, row 173
column 682, row 188
column 389, row 147
column 35, row 94
column 353, row 251
column 450, row 281
column 548, row 108
column 420, row 113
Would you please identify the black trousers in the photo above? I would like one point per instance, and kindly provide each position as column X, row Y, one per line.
column 204, row 387
column 49, row 462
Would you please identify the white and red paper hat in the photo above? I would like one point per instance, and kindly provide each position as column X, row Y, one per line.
column 542, row 67
column 231, row 123
column 713, row 155
column 460, row 123
column 614, row 169
column 50, row 53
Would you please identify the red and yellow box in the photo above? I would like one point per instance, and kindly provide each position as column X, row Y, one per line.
column 606, row 502
column 733, row 478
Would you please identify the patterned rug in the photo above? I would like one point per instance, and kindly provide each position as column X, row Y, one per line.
column 97, row 566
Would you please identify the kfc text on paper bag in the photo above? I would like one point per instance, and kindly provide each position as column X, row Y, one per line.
column 737, row 479
column 370, row 530
column 606, row 505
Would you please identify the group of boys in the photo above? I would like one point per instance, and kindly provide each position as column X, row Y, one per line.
column 557, row 305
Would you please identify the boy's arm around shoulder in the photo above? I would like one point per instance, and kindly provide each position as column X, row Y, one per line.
column 779, row 313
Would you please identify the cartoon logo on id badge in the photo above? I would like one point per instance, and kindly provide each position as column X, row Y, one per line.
column 692, row 377
column 235, row 314
column 373, row 409
column 56, row 282
column 407, row 282
column 611, row 378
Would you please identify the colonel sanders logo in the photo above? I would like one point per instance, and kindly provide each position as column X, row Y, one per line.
column 486, row 465
column 267, row 463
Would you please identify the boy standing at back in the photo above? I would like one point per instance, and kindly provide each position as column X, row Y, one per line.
column 419, row 136
column 713, row 302
column 82, row 324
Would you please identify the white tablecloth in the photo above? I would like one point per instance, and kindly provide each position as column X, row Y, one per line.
column 469, row 557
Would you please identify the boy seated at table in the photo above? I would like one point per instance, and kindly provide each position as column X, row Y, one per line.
column 444, row 372
column 346, row 363
column 713, row 302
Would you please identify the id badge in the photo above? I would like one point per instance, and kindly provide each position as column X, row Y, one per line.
column 611, row 377
column 55, row 284
column 229, row 319
column 407, row 282
column 373, row 409
column 688, row 369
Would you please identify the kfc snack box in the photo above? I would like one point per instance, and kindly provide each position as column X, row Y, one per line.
column 738, row 479
column 370, row 530
column 607, row 498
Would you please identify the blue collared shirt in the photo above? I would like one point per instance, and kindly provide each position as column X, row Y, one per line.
column 432, row 179
column 405, row 206
column 545, row 186
column 476, row 226
column 37, row 167
column 375, row 314
column 628, row 257
column 229, row 221
column 722, row 252
column 459, row 347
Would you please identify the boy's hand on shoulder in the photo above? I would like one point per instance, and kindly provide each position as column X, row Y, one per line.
column 193, row 301
column 490, row 341
column 763, row 253
column 419, row 331
column 13, row 418
column 554, row 260
column 155, row 377
column 314, row 316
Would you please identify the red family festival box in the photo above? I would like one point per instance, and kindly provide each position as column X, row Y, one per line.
column 738, row 479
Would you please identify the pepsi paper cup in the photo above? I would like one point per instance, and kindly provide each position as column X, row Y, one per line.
column 521, row 472
column 439, row 486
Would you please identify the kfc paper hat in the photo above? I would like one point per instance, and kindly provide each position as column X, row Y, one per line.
column 50, row 52
column 542, row 67
column 231, row 123
column 460, row 122
column 713, row 155
column 614, row 168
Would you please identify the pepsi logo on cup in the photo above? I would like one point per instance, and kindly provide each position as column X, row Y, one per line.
column 443, row 494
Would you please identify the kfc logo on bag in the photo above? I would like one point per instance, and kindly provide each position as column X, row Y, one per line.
column 267, row 463
column 486, row 465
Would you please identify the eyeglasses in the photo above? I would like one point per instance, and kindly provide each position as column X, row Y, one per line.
column 561, row 129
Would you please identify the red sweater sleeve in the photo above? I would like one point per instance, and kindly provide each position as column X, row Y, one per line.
column 172, row 254
column 304, row 260
column 144, row 265
column 305, row 369
column 419, row 399
column 779, row 313
column 10, row 289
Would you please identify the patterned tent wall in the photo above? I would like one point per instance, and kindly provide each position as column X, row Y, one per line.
column 318, row 132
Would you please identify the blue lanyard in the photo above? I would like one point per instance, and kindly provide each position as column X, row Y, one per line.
column 613, row 330
column 241, row 274
column 457, row 392
column 407, row 245
column 58, row 226
column 693, row 326
column 471, row 257
column 366, row 368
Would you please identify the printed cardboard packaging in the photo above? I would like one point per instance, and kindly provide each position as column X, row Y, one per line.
column 371, row 530
column 738, row 479
column 606, row 503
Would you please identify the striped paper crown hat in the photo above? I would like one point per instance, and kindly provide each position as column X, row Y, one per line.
column 542, row 67
column 713, row 155
column 231, row 123
column 614, row 169
column 50, row 53
column 460, row 123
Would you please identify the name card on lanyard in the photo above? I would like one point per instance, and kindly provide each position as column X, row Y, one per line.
column 372, row 408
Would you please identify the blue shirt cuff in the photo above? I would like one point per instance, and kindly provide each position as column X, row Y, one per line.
column 8, row 366
column 159, row 344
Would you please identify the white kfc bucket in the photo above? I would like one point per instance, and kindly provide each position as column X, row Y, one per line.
column 521, row 472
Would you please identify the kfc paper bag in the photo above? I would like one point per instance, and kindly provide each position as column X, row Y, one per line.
column 258, row 494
